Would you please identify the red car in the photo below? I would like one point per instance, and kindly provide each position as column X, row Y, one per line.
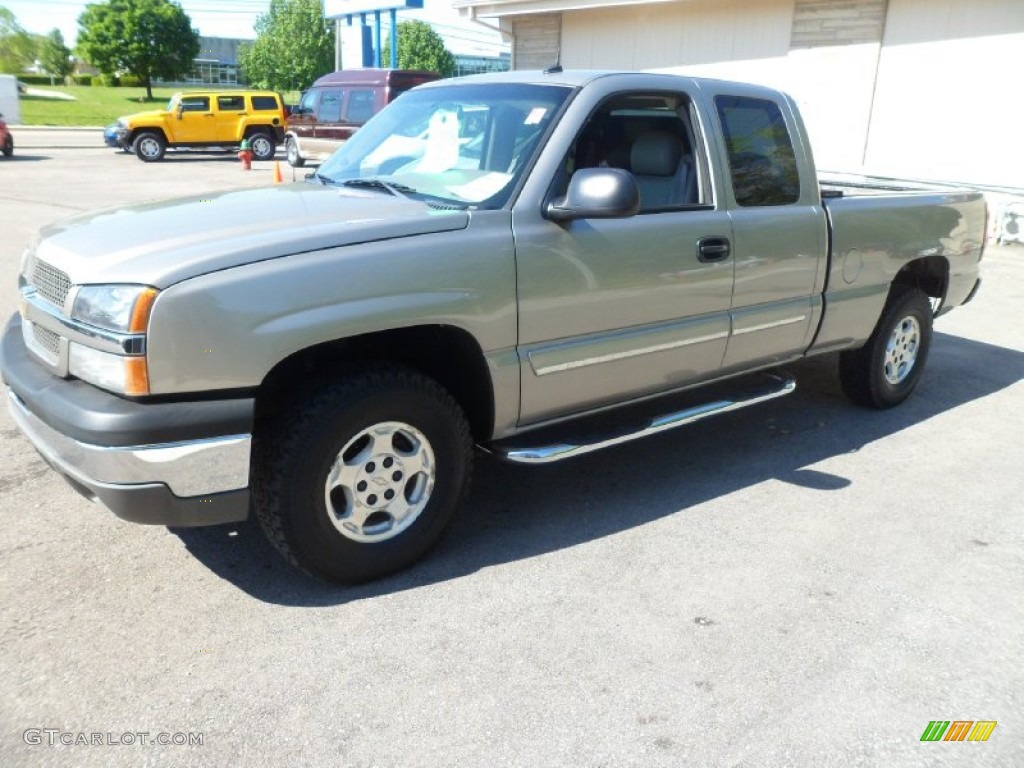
column 6, row 140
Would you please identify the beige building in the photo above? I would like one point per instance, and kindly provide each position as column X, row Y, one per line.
column 928, row 89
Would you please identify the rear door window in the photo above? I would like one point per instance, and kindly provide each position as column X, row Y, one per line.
column 330, row 107
column 360, row 106
column 230, row 103
column 762, row 162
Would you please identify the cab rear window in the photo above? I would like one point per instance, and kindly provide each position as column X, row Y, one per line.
column 264, row 103
column 762, row 162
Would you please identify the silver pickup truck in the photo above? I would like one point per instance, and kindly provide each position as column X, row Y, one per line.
column 535, row 264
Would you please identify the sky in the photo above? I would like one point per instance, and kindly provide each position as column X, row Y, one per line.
column 236, row 18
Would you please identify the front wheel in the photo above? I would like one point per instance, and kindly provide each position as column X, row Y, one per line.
column 887, row 368
column 295, row 160
column 8, row 147
column 149, row 147
column 362, row 475
column 262, row 146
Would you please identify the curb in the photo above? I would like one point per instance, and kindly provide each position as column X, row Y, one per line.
column 45, row 128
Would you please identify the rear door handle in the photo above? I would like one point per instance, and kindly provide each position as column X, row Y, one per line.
column 713, row 249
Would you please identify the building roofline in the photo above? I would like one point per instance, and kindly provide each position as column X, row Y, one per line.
column 472, row 8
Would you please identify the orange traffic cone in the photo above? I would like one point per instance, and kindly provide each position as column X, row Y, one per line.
column 278, row 178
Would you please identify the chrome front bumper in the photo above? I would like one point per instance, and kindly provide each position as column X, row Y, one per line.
column 193, row 482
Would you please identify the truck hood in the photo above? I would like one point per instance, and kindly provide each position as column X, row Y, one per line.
column 162, row 243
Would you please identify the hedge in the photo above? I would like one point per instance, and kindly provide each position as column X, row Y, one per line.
column 39, row 80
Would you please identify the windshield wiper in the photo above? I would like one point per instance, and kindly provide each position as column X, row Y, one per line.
column 322, row 179
column 398, row 190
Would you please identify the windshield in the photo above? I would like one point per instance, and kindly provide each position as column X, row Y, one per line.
column 466, row 145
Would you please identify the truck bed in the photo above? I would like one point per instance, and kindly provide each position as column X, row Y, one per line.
column 875, row 229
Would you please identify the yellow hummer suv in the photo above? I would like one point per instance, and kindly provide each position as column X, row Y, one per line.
column 206, row 119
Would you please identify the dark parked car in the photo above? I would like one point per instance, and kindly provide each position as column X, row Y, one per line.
column 112, row 136
column 6, row 140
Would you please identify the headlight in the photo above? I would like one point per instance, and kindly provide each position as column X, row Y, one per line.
column 121, row 308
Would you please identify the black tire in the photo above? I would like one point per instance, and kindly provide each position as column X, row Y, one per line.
column 295, row 160
column 304, row 504
column 149, row 147
column 873, row 375
column 8, row 147
column 262, row 146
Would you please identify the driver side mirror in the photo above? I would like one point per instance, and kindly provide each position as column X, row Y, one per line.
column 179, row 110
column 597, row 193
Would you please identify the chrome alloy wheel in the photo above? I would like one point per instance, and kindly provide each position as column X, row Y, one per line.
column 262, row 148
column 901, row 351
column 149, row 147
column 380, row 482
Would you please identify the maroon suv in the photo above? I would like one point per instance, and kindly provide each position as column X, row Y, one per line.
column 337, row 104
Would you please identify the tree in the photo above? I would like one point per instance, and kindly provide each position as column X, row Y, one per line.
column 145, row 38
column 420, row 47
column 294, row 46
column 17, row 47
column 55, row 56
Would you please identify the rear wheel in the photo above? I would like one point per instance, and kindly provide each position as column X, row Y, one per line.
column 262, row 146
column 886, row 369
column 295, row 160
column 361, row 476
column 149, row 147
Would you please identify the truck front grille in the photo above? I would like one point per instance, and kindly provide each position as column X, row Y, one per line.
column 50, row 283
column 46, row 339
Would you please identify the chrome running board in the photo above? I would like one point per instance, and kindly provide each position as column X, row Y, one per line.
column 512, row 450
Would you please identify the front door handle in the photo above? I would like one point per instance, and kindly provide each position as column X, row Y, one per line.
column 713, row 249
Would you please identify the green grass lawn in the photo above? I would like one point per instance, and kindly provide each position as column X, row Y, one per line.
column 92, row 106
column 95, row 105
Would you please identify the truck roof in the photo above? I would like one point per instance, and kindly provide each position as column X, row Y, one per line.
column 578, row 78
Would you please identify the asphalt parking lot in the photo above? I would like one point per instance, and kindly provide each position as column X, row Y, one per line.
column 800, row 584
